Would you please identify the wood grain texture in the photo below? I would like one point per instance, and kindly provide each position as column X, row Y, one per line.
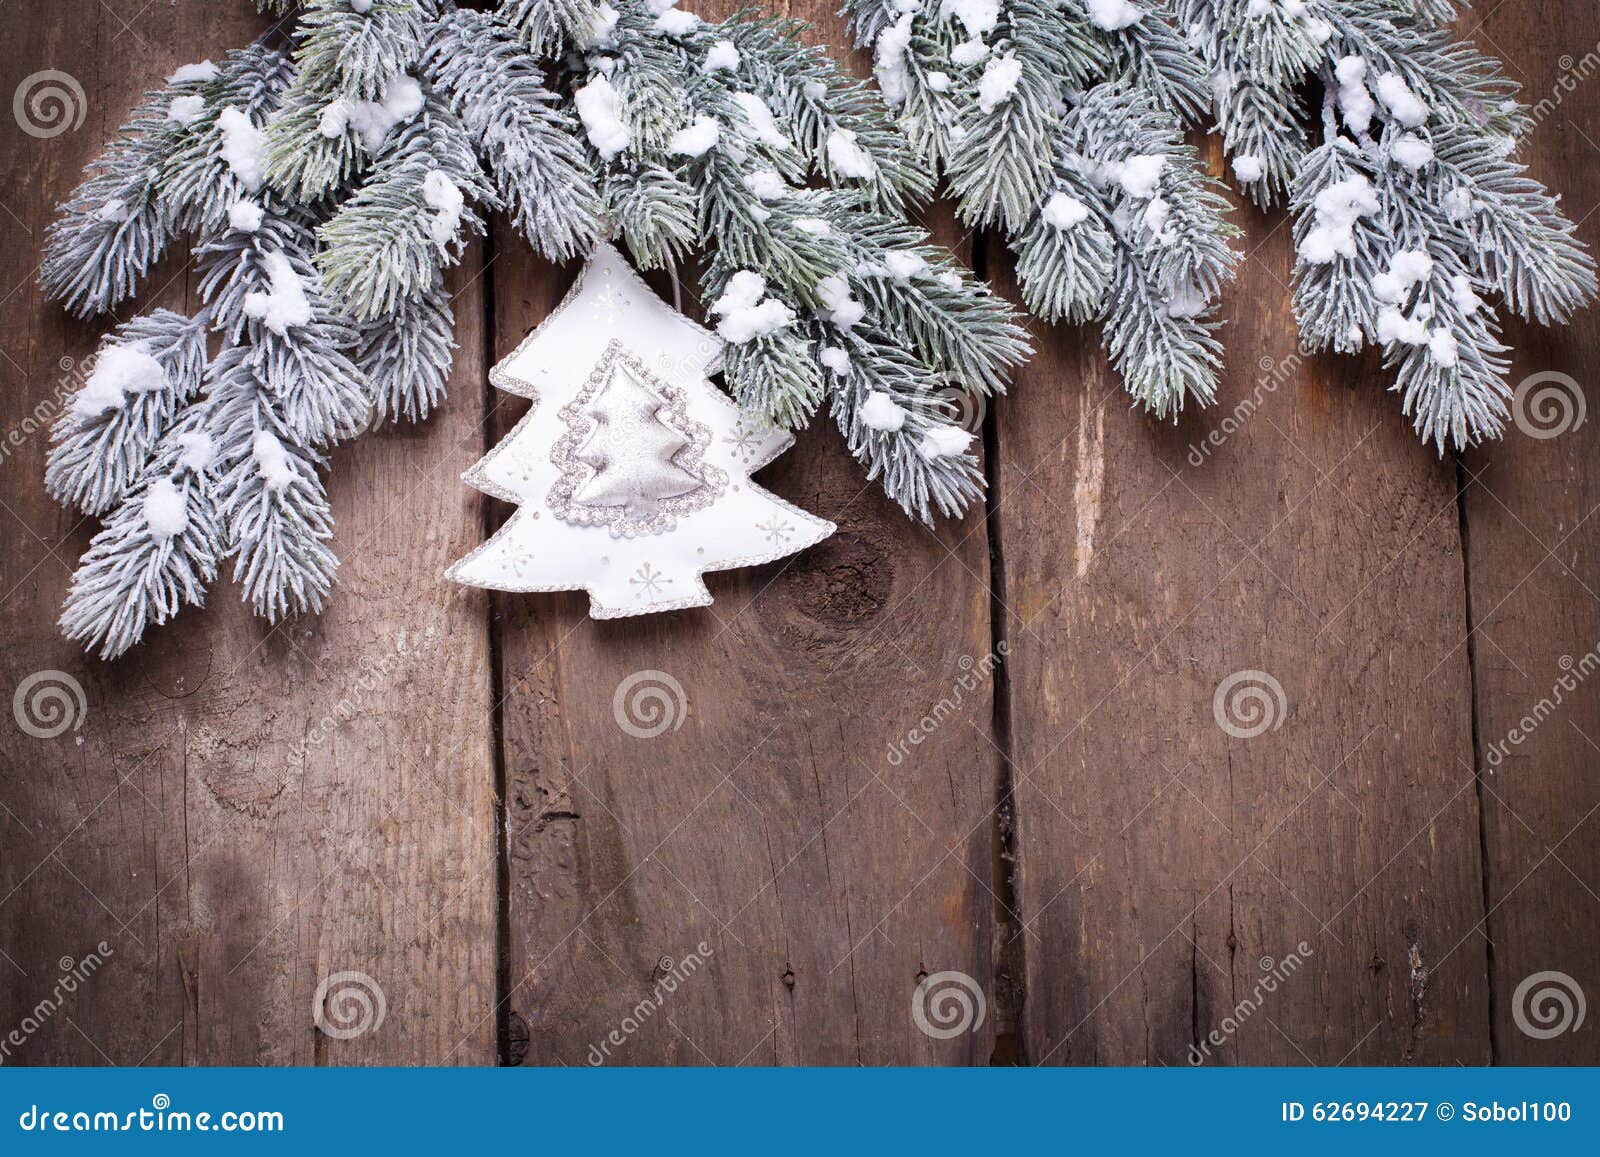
column 1167, row 867
column 772, row 828
column 1532, row 536
column 470, row 827
column 245, row 811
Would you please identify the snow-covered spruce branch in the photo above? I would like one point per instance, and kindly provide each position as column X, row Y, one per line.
column 188, row 462
column 1410, row 211
column 326, row 189
column 811, row 288
column 1060, row 123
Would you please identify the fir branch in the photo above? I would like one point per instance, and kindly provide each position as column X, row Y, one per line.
column 132, row 397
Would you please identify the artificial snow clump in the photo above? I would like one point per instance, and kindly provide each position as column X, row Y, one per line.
column 600, row 108
column 242, row 147
column 166, row 510
column 1064, row 212
column 120, row 370
column 746, row 312
column 944, row 441
column 881, row 412
column 282, row 305
column 698, row 139
column 847, row 156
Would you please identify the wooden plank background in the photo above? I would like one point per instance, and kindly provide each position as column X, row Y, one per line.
column 427, row 786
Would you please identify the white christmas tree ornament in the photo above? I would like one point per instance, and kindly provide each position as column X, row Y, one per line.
column 631, row 471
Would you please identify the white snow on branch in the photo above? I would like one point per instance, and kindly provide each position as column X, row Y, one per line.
column 759, row 121
column 881, row 412
column 600, row 110
column 1064, row 212
column 1114, row 15
column 722, row 56
column 441, row 195
column 186, row 109
column 199, row 450
column 889, row 60
column 767, row 184
column 969, row 52
column 744, row 313
column 272, row 460
column 848, row 158
column 166, row 510
column 284, row 302
column 1412, row 151
column 243, row 147
column 1355, row 102
column 838, row 306
column 1248, row 168
column 193, row 73
column 118, row 371
column 698, row 139
column 978, row 17
column 999, row 82
column 1336, row 211
column 373, row 120
column 1140, row 176
column 245, row 216
column 1402, row 103
column 944, row 442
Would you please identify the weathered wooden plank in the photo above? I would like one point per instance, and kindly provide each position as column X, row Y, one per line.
column 822, row 880
column 245, row 812
column 1164, row 862
column 1531, row 539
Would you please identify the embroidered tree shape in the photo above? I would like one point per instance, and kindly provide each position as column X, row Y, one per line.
column 631, row 472
column 631, row 459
